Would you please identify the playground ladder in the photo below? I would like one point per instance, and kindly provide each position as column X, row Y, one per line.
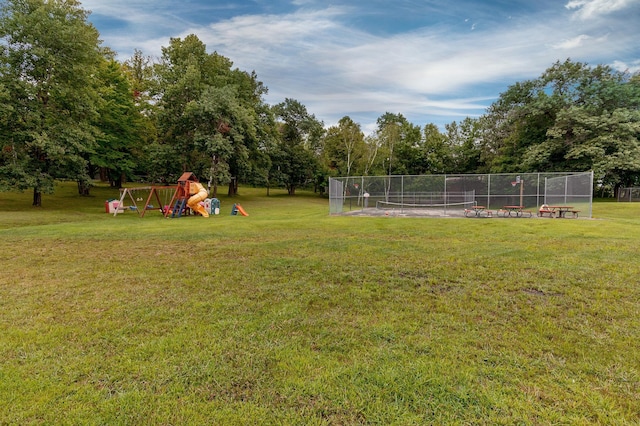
column 179, row 207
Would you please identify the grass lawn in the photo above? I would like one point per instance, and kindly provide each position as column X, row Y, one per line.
column 291, row 316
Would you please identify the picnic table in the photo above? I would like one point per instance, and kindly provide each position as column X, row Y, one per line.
column 516, row 211
column 477, row 211
column 561, row 211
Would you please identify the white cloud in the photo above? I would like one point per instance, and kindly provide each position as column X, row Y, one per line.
column 335, row 69
column 632, row 67
column 322, row 59
column 572, row 43
column 589, row 9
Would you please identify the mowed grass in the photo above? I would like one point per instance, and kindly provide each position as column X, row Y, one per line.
column 291, row 316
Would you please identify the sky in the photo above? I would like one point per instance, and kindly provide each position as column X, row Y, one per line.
column 432, row 61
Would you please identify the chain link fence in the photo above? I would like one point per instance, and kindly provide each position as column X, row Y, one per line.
column 629, row 195
column 450, row 195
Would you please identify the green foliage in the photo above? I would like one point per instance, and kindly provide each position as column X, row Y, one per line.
column 343, row 148
column 319, row 320
column 573, row 118
column 437, row 153
column 398, row 140
column 120, row 123
column 295, row 159
column 48, row 59
column 207, row 111
column 465, row 140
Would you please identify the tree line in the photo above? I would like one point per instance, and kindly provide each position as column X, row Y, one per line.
column 70, row 110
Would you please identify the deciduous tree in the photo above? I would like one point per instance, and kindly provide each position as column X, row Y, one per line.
column 300, row 134
column 344, row 147
column 573, row 118
column 207, row 112
column 49, row 56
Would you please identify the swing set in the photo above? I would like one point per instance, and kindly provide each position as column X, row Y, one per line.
column 144, row 198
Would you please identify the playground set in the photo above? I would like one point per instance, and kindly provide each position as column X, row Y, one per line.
column 187, row 196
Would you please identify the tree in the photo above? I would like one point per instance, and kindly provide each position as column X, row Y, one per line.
column 261, row 170
column 512, row 125
column 371, row 157
column 604, row 137
column 180, row 79
column 222, row 125
column 465, row 141
column 399, row 143
column 597, row 129
column 259, row 124
column 344, row 147
column 139, row 71
column 300, row 133
column 573, row 118
column 120, row 125
column 49, row 55
column 437, row 153
column 207, row 112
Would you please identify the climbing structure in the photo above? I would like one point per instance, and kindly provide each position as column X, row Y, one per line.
column 189, row 193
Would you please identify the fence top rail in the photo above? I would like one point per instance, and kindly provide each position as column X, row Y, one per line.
column 147, row 188
column 455, row 175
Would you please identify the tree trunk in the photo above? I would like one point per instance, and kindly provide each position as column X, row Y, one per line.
column 83, row 189
column 115, row 182
column 616, row 189
column 233, row 187
column 37, row 198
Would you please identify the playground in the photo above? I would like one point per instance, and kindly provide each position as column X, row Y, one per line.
column 186, row 197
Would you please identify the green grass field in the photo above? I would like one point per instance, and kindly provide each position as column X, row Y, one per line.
column 290, row 316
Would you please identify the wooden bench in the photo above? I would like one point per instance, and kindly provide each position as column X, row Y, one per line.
column 551, row 213
column 574, row 212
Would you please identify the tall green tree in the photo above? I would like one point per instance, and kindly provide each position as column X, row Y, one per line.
column 601, row 133
column 223, row 125
column 181, row 77
column 399, row 142
column 139, row 73
column 344, row 148
column 295, row 160
column 49, row 55
column 437, row 153
column 465, row 140
column 256, row 118
column 511, row 125
column 207, row 113
column 574, row 117
column 139, row 70
column 120, row 124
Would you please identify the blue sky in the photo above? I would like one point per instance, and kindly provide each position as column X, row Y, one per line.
column 432, row 61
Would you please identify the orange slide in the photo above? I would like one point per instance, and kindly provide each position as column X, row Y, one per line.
column 241, row 210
